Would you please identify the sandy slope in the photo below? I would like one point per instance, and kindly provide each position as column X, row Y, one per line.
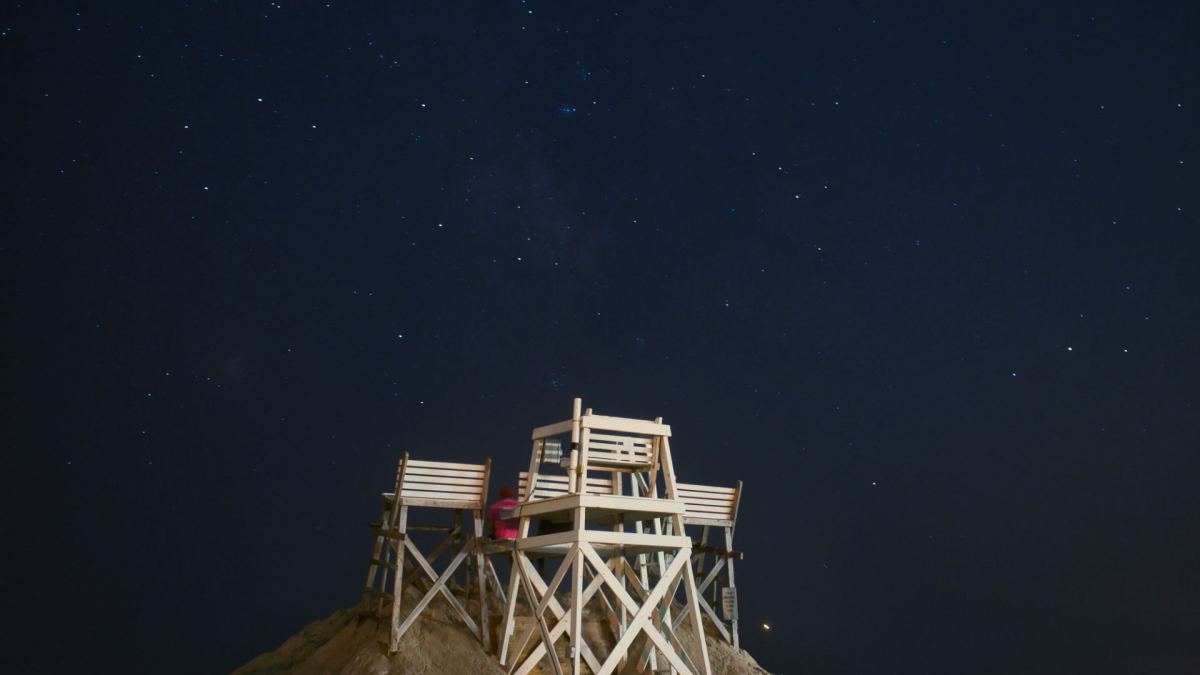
column 349, row 642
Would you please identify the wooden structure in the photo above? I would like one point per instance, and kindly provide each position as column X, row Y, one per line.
column 429, row 485
column 606, row 455
column 713, row 508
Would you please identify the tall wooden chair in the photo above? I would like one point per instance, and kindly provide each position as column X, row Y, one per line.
column 713, row 508
column 430, row 485
column 596, row 546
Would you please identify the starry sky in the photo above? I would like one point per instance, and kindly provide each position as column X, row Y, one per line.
column 924, row 277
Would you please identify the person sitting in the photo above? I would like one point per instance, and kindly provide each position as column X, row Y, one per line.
column 501, row 527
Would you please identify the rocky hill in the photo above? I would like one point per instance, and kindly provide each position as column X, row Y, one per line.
column 352, row 642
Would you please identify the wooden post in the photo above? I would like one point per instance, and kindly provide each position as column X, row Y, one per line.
column 509, row 608
column 398, row 574
column 377, row 551
column 693, row 597
column 733, row 620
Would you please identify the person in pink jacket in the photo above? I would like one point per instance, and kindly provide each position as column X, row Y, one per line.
column 501, row 527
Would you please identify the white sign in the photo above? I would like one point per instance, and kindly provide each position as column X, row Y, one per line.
column 729, row 603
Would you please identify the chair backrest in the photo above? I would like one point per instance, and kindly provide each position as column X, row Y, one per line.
column 445, row 485
column 614, row 450
column 549, row 485
column 709, row 505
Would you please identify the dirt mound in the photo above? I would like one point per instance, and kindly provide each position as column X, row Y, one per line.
column 351, row 642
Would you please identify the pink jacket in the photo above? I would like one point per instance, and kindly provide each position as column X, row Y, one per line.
column 502, row 528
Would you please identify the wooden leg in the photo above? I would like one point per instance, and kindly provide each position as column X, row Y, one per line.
column 576, row 611
column 510, row 608
column 398, row 578
column 563, row 620
column 539, row 611
column 481, row 583
column 697, row 624
column 378, row 549
column 733, row 620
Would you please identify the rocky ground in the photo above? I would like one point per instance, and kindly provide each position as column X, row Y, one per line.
column 352, row 642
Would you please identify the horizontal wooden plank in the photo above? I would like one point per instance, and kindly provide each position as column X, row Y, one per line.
column 602, row 484
column 547, row 494
column 552, row 429
column 637, row 441
column 407, row 490
column 625, row 424
column 688, row 499
column 704, row 504
column 708, row 513
column 540, row 540
column 561, row 480
column 610, row 456
column 445, row 480
column 543, row 479
column 692, row 487
column 444, row 465
column 440, row 503
column 597, row 504
column 618, row 446
column 432, row 494
column 618, row 449
column 544, row 494
column 711, row 522
column 382, row 532
column 637, row 539
column 702, row 548
column 450, row 473
column 703, row 500
column 442, row 487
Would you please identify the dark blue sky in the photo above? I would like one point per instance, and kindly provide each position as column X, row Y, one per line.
column 925, row 278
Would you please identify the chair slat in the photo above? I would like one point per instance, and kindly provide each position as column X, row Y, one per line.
column 691, row 487
column 445, row 480
column 437, row 494
column 453, row 473
column 444, row 465
column 639, row 441
column 686, row 499
column 442, row 487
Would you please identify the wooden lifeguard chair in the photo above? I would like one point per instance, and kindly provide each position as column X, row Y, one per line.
column 596, row 545
column 713, row 508
column 433, row 485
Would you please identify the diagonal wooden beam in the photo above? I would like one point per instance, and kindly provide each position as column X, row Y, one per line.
column 541, row 620
column 697, row 624
column 544, row 599
column 439, row 586
column 712, row 573
column 562, row 625
column 642, row 614
column 631, row 604
column 510, row 606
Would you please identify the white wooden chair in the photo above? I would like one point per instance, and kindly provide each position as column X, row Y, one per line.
column 432, row 485
column 713, row 508
column 598, row 514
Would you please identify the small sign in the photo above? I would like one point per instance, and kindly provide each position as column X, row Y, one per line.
column 729, row 603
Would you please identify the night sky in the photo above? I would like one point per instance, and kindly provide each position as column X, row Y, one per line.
column 925, row 278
